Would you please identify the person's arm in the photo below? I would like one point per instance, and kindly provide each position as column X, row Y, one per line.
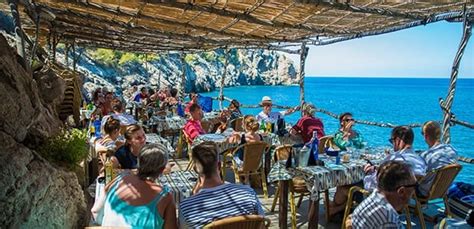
column 115, row 162
column 99, row 206
column 358, row 141
column 170, row 213
column 339, row 140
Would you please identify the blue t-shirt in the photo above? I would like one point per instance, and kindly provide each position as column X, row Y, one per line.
column 125, row 157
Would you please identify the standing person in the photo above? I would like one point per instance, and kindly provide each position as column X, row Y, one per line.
column 438, row 155
column 193, row 127
column 402, row 138
column 396, row 184
column 137, row 201
column 193, row 100
column 346, row 136
column 267, row 115
column 142, row 96
column 126, row 156
column 215, row 199
column 308, row 123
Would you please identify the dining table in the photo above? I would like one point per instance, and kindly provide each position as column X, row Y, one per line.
column 321, row 178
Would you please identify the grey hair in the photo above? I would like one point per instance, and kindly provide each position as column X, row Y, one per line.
column 151, row 161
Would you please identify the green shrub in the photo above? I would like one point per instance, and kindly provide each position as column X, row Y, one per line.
column 67, row 148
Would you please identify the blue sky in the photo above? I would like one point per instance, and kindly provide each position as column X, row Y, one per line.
column 423, row 51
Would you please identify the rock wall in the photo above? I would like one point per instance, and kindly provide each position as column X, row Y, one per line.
column 33, row 193
column 106, row 68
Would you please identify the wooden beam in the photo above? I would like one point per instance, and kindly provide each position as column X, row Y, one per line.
column 245, row 16
column 221, row 88
column 303, row 55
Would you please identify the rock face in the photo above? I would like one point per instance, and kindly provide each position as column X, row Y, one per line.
column 115, row 70
column 33, row 193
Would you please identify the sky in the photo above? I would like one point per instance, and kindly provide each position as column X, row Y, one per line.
column 422, row 52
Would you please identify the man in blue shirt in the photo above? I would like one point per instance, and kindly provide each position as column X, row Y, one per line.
column 438, row 155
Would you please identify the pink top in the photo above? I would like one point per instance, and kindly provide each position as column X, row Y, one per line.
column 193, row 129
column 306, row 125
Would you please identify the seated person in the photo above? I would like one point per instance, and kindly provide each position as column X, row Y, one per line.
column 396, row 184
column 119, row 114
column 193, row 127
column 267, row 115
column 347, row 137
column 402, row 139
column 171, row 101
column 126, row 156
column 193, row 100
column 250, row 135
column 234, row 110
column 108, row 144
column 215, row 199
column 438, row 155
column 142, row 96
column 308, row 123
column 137, row 201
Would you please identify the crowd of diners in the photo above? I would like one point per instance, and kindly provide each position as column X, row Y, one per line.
column 135, row 199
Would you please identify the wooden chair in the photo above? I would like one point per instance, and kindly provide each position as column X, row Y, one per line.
column 350, row 203
column 240, row 222
column 297, row 185
column 236, row 124
column 443, row 178
column 252, row 163
column 206, row 126
column 185, row 140
column 325, row 142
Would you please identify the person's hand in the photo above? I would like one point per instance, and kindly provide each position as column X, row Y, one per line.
column 168, row 168
column 369, row 169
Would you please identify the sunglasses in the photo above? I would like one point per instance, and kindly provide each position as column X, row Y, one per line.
column 415, row 185
column 349, row 120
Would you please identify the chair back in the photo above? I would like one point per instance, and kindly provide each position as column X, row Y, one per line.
column 236, row 124
column 283, row 152
column 253, row 154
column 444, row 177
column 325, row 142
column 206, row 125
column 240, row 222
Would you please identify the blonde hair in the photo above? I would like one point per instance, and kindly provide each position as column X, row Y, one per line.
column 251, row 124
column 432, row 129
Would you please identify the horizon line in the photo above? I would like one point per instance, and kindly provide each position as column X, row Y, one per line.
column 388, row 77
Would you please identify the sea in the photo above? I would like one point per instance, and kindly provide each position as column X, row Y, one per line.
column 397, row 101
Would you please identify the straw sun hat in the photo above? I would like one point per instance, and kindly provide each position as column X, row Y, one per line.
column 266, row 100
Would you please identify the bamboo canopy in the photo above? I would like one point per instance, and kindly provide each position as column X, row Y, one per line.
column 152, row 26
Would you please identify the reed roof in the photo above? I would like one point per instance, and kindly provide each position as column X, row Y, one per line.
column 153, row 25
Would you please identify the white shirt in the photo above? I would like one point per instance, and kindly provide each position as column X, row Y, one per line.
column 272, row 117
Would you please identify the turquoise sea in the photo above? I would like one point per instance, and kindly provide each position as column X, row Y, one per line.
column 392, row 100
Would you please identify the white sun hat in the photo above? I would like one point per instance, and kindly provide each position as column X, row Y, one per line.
column 266, row 99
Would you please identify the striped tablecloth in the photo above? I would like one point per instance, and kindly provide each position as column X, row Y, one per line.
column 174, row 123
column 155, row 138
column 319, row 178
column 180, row 182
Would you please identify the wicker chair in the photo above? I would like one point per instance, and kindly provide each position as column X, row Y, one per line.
column 206, row 126
column 236, row 124
column 325, row 142
column 240, row 222
column 443, row 178
column 252, row 163
column 297, row 185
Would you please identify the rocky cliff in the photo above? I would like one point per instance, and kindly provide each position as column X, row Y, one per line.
column 33, row 193
column 118, row 70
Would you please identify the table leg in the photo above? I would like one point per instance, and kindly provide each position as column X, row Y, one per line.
column 313, row 216
column 283, row 204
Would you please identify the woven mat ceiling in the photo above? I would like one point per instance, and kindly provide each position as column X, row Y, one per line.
column 151, row 26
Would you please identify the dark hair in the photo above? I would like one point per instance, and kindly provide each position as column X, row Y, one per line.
column 343, row 115
column 173, row 92
column 206, row 157
column 151, row 161
column 405, row 133
column 131, row 130
column 393, row 174
column 117, row 105
column 111, row 125
column 194, row 107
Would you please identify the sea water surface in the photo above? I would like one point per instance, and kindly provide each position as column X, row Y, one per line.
column 389, row 100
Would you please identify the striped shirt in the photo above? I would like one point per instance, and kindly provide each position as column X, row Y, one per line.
column 216, row 203
column 435, row 158
column 375, row 212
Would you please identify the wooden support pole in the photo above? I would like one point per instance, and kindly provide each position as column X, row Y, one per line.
column 183, row 77
column 66, row 53
column 283, row 204
column 74, row 56
column 35, row 45
column 467, row 28
column 221, row 89
column 20, row 42
column 303, row 55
